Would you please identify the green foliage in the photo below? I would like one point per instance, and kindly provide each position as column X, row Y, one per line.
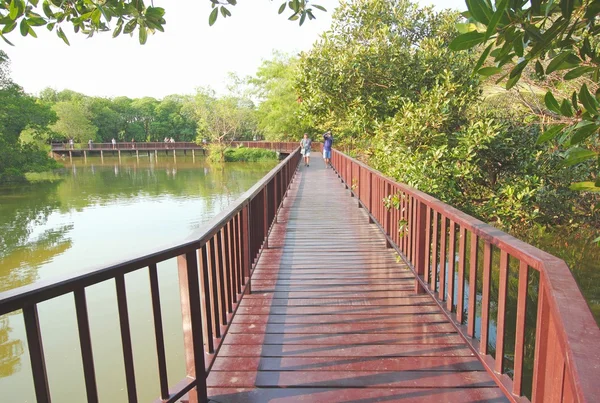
column 73, row 122
column 278, row 111
column 378, row 55
column 19, row 112
column 120, row 16
column 557, row 40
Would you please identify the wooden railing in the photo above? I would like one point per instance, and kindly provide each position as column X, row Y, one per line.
column 214, row 268
column 281, row 146
column 427, row 232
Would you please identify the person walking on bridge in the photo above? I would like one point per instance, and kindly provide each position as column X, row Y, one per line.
column 305, row 145
column 327, row 144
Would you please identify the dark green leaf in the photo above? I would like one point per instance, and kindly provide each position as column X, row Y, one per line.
column 130, row 26
column 539, row 69
column 566, row 109
column 479, row 10
column 483, row 56
column 6, row 40
column 47, row 10
column 9, row 27
column 556, row 62
column 36, row 21
column 574, row 100
column 566, row 7
column 512, row 81
column 587, row 100
column 212, row 18
column 518, row 45
column 491, row 26
column 302, row 18
column 62, row 36
column 232, row 2
column 577, row 155
column 489, row 71
column 118, row 28
column 13, row 10
column 319, row 7
column 24, row 27
column 518, row 69
column 282, row 8
column 467, row 41
column 583, row 133
column 550, row 133
column 578, row 72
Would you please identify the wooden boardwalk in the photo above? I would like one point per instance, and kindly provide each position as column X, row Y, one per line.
column 333, row 316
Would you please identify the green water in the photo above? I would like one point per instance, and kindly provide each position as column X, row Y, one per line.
column 102, row 212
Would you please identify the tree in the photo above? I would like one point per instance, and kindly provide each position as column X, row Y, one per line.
column 74, row 122
column 377, row 55
column 88, row 17
column 547, row 40
column 278, row 110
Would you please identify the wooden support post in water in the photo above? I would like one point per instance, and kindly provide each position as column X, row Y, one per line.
column 137, row 155
column 119, row 156
column 174, row 156
column 71, row 156
column 193, row 155
column 85, row 155
column 102, row 156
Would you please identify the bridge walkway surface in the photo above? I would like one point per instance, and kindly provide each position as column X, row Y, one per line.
column 333, row 316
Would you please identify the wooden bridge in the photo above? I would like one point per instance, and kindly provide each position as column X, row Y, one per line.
column 309, row 288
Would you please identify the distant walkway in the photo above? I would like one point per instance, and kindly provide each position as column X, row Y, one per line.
column 334, row 318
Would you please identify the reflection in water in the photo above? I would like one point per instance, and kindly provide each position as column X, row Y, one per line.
column 10, row 351
column 101, row 212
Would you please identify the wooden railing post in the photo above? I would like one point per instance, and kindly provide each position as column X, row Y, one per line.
column 189, row 286
column 246, row 259
column 420, row 237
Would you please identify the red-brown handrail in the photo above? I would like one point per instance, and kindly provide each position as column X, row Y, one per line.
column 214, row 265
column 426, row 231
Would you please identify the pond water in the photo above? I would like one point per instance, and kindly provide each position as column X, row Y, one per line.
column 102, row 212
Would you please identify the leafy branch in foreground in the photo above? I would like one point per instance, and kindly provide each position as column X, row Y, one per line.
column 91, row 16
column 557, row 42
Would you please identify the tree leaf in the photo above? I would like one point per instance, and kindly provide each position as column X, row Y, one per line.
column 566, row 109
column 489, row 71
column 13, row 10
column 24, row 27
column 491, row 26
column 212, row 18
column 578, row 72
column 479, row 11
column 556, row 62
column 9, row 27
column 232, row 2
column 467, row 41
column 143, row 34
column 577, row 155
column 587, row 100
column 282, row 8
column 539, row 69
column 319, row 7
column 566, row 7
column 551, row 102
column 62, row 36
column 550, row 133
column 585, row 187
column 583, row 133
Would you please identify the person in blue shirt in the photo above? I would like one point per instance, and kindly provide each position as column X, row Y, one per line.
column 327, row 144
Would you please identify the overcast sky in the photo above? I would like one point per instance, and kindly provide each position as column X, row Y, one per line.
column 187, row 55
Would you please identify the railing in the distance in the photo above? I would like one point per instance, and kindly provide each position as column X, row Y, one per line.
column 153, row 145
column 214, row 268
column 566, row 366
column 426, row 232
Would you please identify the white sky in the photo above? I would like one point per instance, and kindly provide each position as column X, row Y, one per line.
column 187, row 55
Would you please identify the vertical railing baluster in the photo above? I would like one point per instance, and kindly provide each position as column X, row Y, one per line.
column 443, row 245
column 427, row 258
column 232, row 262
column 36, row 354
column 246, row 247
column 225, row 267
column 85, row 343
column 520, row 330
column 460, row 304
column 485, row 298
column 474, row 255
column 126, row 337
column 189, row 286
column 451, row 264
column 206, row 298
column 239, row 253
column 158, row 332
column 223, row 308
column 214, row 293
column 500, row 323
column 434, row 253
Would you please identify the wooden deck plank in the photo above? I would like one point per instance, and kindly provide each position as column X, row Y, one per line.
column 333, row 316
